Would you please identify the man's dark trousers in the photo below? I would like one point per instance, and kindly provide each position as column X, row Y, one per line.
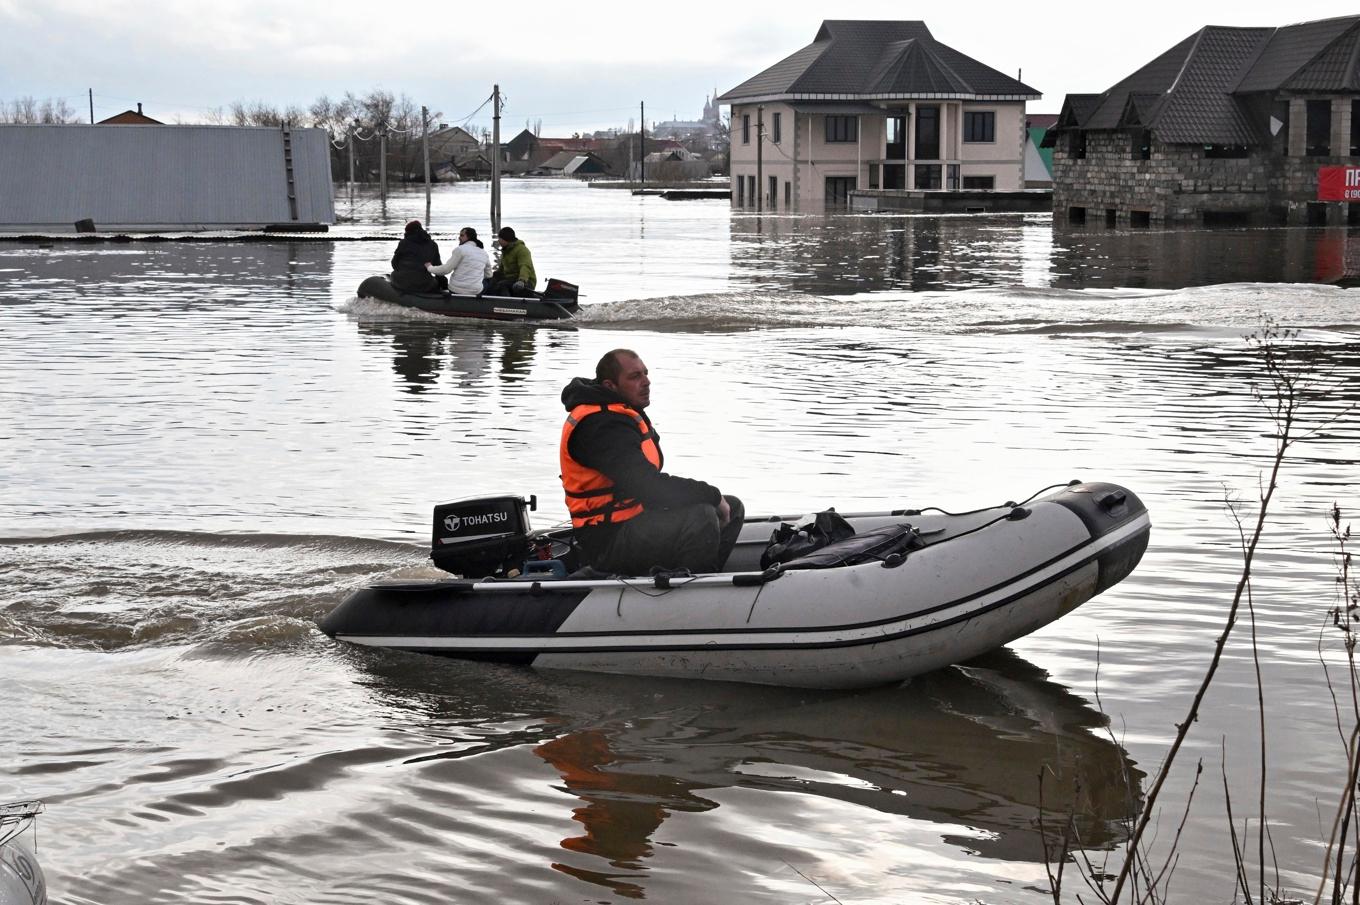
column 686, row 537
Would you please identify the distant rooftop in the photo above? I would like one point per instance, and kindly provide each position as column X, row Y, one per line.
column 1199, row 90
column 130, row 118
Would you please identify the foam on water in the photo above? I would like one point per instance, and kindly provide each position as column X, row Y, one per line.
column 1229, row 309
column 113, row 590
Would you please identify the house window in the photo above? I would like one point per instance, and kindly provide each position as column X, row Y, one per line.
column 979, row 125
column 1140, row 219
column 788, row 195
column 741, row 191
column 776, row 132
column 774, row 191
column 979, row 182
column 842, row 128
column 873, row 175
column 928, row 176
column 895, row 138
column 952, row 178
column 1319, row 129
column 746, row 128
column 1076, row 145
column 838, row 189
column 927, row 133
column 1142, row 145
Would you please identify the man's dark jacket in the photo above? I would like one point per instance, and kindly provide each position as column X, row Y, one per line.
column 413, row 252
column 609, row 442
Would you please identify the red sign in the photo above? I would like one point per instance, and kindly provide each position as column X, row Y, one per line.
column 1338, row 184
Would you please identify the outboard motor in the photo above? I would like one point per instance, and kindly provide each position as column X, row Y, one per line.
column 481, row 536
column 561, row 291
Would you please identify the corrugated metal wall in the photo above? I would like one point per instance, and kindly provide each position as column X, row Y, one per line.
column 154, row 177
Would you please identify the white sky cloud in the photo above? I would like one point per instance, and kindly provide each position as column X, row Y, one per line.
column 575, row 71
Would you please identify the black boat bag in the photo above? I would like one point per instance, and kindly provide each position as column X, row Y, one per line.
column 830, row 541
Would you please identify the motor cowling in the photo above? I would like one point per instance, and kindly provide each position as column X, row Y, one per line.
column 480, row 536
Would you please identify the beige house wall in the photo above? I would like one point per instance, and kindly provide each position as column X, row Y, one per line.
column 804, row 159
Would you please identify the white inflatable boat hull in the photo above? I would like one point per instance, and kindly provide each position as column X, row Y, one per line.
column 985, row 579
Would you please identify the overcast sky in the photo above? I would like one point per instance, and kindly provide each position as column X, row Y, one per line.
column 575, row 66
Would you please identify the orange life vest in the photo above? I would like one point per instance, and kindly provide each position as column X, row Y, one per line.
column 590, row 493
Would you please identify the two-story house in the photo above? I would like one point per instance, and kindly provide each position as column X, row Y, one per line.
column 878, row 105
column 1230, row 125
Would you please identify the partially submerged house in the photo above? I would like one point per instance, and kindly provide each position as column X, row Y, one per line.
column 476, row 165
column 146, row 178
column 585, row 166
column 449, row 144
column 1229, row 125
column 877, row 105
column 555, row 164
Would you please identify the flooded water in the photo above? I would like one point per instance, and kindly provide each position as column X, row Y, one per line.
column 204, row 446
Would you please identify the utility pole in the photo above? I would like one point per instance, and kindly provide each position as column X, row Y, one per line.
column 495, row 160
column 353, row 136
column 92, row 106
column 425, row 149
column 642, row 146
column 382, row 162
column 760, row 156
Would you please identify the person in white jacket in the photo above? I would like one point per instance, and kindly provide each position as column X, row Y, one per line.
column 468, row 266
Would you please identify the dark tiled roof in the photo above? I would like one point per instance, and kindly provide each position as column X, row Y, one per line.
column 1290, row 49
column 1200, row 107
column 1195, row 93
column 1335, row 69
column 1077, row 110
column 1140, row 109
column 877, row 58
column 1156, row 77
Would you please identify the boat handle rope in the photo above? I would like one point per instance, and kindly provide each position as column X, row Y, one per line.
column 1009, row 503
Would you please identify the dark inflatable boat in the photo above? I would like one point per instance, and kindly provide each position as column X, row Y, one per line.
column 558, row 301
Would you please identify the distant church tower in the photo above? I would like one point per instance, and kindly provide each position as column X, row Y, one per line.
column 711, row 109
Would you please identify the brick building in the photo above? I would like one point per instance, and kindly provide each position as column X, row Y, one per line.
column 1231, row 125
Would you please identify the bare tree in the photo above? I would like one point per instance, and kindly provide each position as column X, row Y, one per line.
column 30, row 110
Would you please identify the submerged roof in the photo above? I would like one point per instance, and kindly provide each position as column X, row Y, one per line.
column 879, row 59
column 1199, row 90
column 162, row 177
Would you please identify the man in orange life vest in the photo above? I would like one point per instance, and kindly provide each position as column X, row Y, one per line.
column 629, row 516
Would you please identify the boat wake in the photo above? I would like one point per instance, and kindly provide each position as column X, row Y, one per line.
column 373, row 310
column 113, row 590
column 1019, row 310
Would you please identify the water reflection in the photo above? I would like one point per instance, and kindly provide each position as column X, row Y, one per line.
column 845, row 253
column 841, row 254
column 963, row 748
column 467, row 351
column 1173, row 258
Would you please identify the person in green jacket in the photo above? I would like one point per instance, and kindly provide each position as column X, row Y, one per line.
column 515, row 274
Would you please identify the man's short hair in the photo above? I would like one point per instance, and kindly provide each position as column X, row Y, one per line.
column 610, row 367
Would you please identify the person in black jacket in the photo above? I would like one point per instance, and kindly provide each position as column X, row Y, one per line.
column 414, row 251
column 629, row 516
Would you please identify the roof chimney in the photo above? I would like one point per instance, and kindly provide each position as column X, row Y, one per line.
column 139, row 108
